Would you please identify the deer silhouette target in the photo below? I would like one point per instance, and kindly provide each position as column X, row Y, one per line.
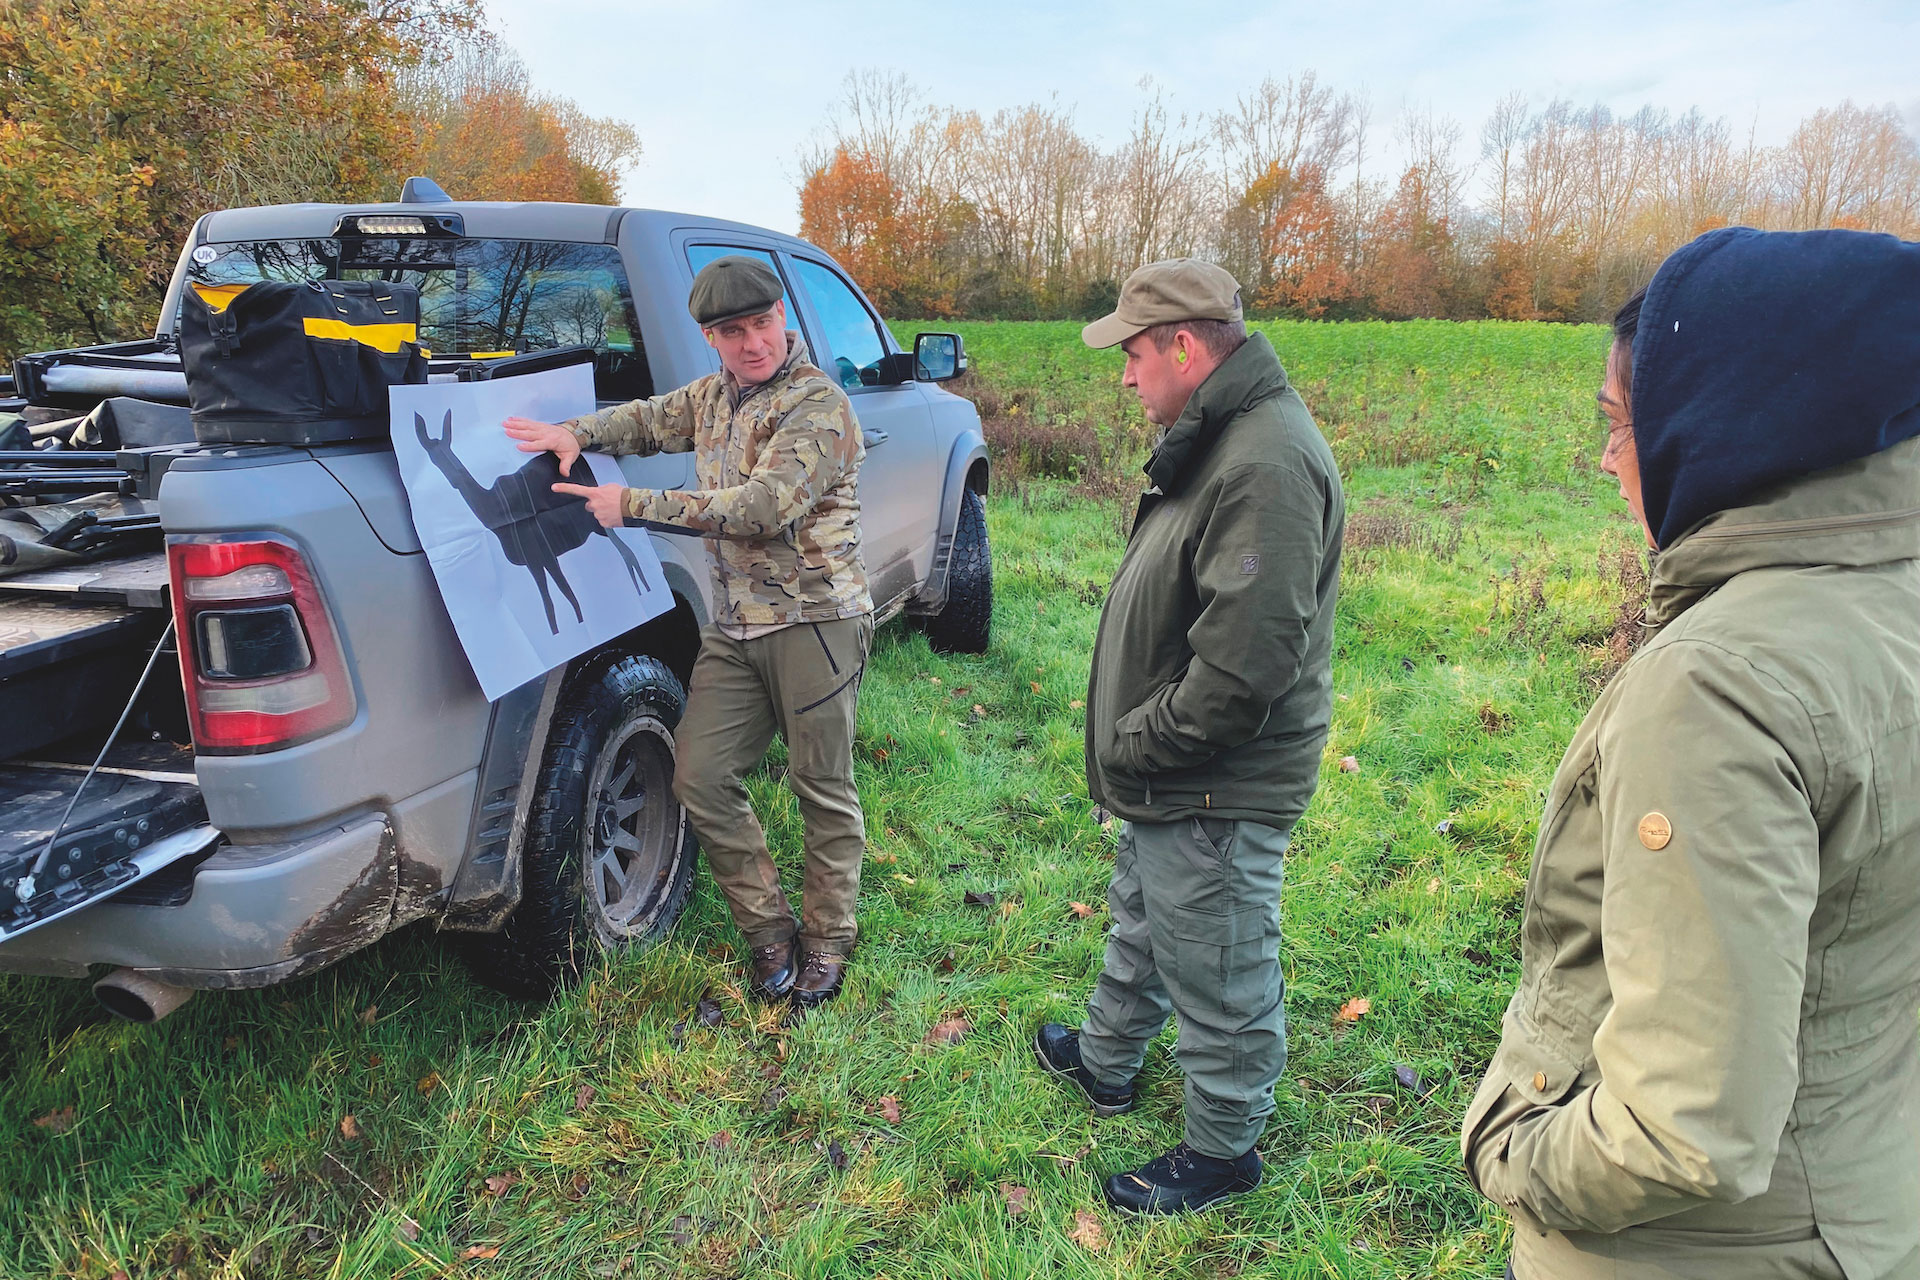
column 535, row 525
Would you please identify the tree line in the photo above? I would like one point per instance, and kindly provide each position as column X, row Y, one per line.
column 1553, row 212
column 121, row 123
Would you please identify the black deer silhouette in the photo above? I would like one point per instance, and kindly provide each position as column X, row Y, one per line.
column 535, row 525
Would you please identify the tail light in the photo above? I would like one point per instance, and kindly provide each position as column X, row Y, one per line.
column 261, row 664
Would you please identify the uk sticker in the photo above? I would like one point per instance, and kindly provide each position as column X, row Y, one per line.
column 1249, row 565
column 205, row 253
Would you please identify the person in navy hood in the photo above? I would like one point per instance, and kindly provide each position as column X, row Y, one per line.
column 1763, row 355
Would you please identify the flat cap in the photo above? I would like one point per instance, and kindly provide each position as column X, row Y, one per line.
column 1167, row 293
column 730, row 287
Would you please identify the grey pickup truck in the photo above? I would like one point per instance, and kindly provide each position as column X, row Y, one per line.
column 298, row 757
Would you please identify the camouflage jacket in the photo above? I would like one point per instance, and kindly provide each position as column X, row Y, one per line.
column 778, row 467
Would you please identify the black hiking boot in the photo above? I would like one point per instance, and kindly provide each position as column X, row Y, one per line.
column 1183, row 1180
column 1058, row 1049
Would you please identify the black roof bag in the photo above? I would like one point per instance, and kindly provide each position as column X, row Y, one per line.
column 279, row 362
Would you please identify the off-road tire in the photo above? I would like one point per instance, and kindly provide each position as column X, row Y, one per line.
column 628, row 706
column 965, row 623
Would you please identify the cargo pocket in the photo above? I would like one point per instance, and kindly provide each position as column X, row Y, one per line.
column 1523, row 1077
column 1230, row 956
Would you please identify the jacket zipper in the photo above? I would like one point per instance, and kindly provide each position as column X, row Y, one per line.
column 1822, row 525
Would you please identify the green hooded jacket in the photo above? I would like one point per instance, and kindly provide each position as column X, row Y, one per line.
column 1211, row 686
column 1711, row 1067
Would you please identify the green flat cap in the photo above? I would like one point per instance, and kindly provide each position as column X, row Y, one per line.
column 730, row 287
column 1167, row 293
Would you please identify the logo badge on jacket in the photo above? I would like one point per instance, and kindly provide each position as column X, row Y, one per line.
column 1249, row 565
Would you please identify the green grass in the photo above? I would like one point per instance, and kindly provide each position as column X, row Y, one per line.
column 1476, row 608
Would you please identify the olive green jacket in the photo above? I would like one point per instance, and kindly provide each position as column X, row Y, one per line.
column 1711, row 1067
column 1212, row 687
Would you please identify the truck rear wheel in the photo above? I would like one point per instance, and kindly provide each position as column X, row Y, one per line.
column 965, row 622
column 609, row 854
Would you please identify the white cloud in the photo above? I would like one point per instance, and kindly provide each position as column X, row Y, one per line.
column 726, row 96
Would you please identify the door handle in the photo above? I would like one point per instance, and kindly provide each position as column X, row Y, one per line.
column 873, row 437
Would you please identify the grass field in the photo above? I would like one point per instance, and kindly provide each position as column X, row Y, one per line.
column 656, row 1123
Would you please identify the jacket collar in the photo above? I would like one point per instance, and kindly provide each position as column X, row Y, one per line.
column 1245, row 378
column 797, row 355
column 1863, row 512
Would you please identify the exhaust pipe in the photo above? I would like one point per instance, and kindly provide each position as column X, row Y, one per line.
column 130, row 994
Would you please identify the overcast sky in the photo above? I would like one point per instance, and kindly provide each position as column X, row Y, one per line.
column 726, row 96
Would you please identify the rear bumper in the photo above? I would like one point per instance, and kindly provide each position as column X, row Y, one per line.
column 259, row 914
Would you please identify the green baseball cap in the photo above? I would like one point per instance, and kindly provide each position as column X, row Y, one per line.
column 1167, row 293
column 730, row 287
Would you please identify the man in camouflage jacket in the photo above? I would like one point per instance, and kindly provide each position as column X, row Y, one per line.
column 777, row 456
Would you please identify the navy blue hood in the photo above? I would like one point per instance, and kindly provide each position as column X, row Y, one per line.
column 1764, row 355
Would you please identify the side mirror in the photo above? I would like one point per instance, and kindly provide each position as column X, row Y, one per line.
column 938, row 357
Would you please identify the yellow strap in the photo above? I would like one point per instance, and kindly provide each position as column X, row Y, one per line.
column 490, row 355
column 217, row 296
column 381, row 337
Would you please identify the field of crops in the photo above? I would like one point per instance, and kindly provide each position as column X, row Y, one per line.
column 389, row 1117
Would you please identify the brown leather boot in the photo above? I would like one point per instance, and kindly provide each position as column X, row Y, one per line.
column 819, row 979
column 773, row 970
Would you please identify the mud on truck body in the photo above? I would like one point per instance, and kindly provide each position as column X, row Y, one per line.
column 308, row 762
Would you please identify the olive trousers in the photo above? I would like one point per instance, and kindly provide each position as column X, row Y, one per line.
column 1196, row 933
column 802, row 682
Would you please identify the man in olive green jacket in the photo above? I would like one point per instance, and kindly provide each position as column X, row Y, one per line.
column 1207, row 709
column 1711, row 1069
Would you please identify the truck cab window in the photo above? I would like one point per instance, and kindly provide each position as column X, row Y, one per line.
column 852, row 335
column 476, row 296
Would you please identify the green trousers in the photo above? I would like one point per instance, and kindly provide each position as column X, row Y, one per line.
column 1196, row 933
column 802, row 682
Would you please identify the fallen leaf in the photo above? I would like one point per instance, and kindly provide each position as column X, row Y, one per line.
column 890, row 1109
column 1354, row 1009
column 1008, row 908
column 979, row 710
column 583, row 1097
column 373, row 1061
column 474, row 1251
column 946, row 964
column 1080, row 909
column 880, row 755
column 576, row 1189
column 498, row 1184
column 231, row 1043
column 681, row 1233
column 720, row 1141
column 981, row 899
column 118, row 1274
column 408, row 1230
column 1433, row 885
column 771, row 1100
column 1076, row 705
column 1088, row 1233
column 1015, row 1197
column 710, row 1012
column 902, row 879
column 429, row 1082
column 837, row 1155
column 949, row 1031
column 1034, row 685
column 182, row 1252
column 349, row 1128
column 369, row 1015
column 1349, row 765
column 886, row 859
column 934, row 680
column 56, row 1121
